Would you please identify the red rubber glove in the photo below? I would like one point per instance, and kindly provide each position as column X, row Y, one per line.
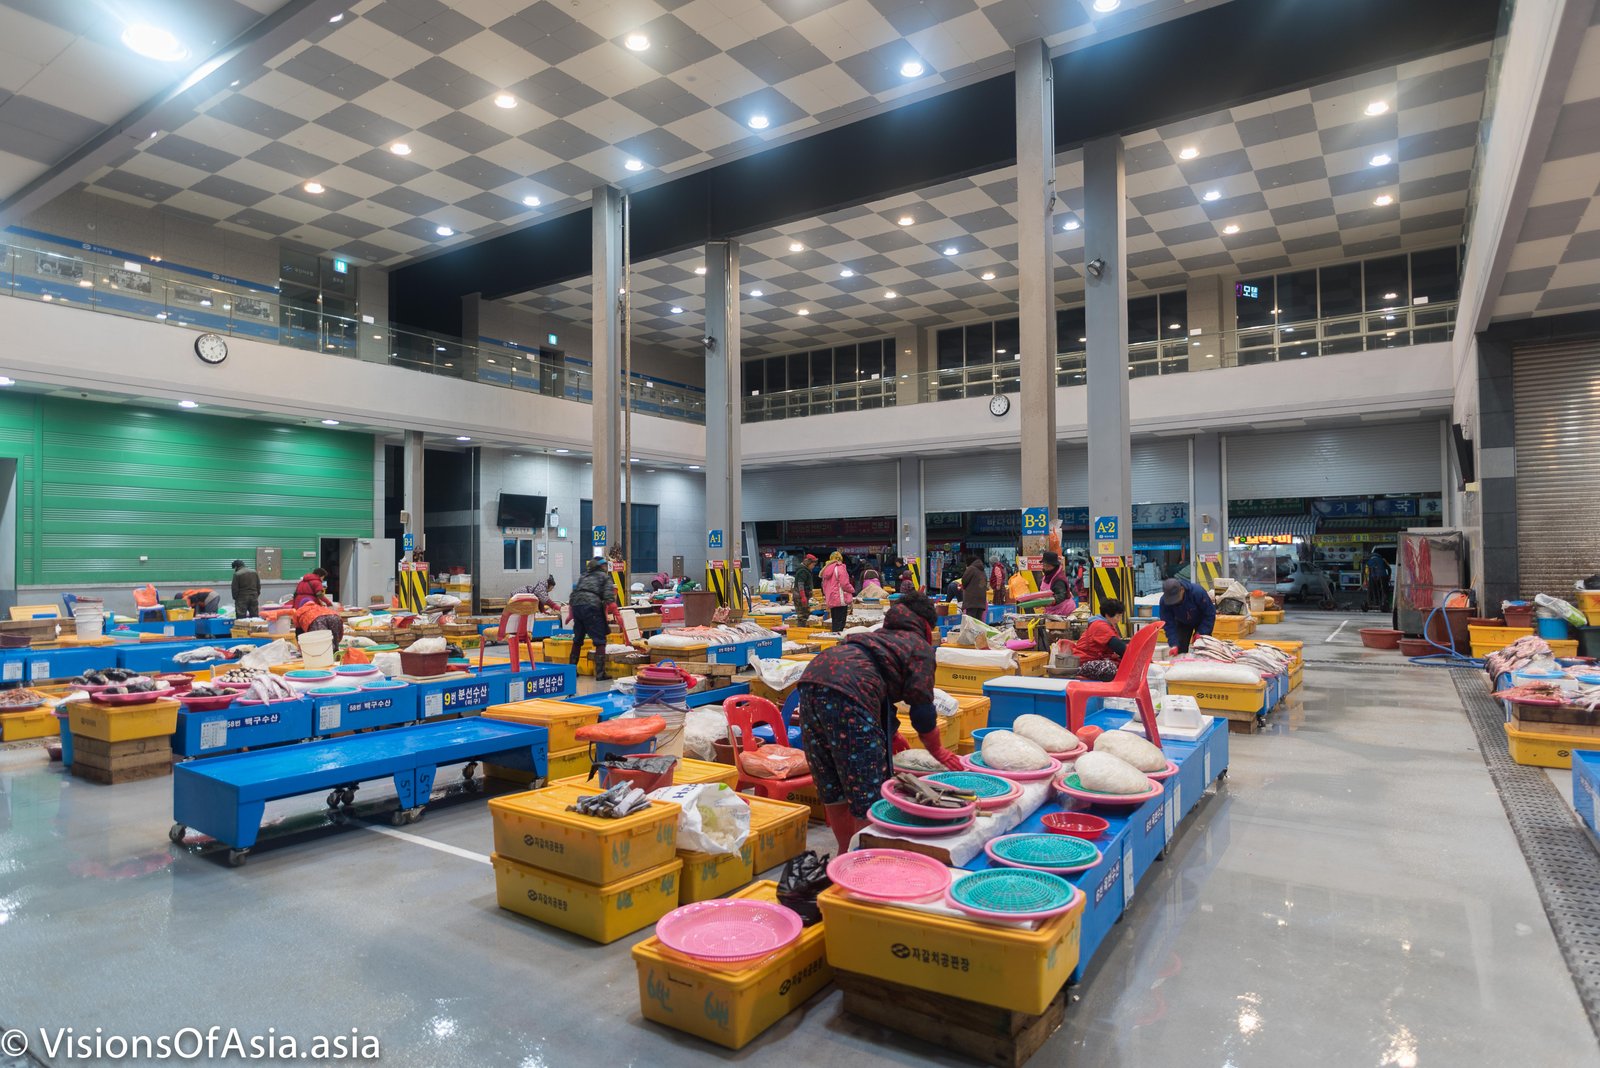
column 936, row 747
column 899, row 744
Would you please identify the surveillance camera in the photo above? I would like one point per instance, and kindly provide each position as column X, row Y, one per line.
column 1096, row 266
column 709, row 341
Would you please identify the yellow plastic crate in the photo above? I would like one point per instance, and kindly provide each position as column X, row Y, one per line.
column 949, row 731
column 804, row 658
column 1224, row 696
column 726, row 1006
column 1547, row 750
column 709, row 875
column 967, row 747
column 974, row 713
column 778, row 829
column 1006, row 967
column 564, row 764
column 555, row 650
column 34, row 723
column 1297, row 675
column 695, row 771
column 1588, row 601
column 768, row 621
column 534, row 828
column 122, row 723
column 1231, row 627
column 969, row 680
column 807, row 796
column 1492, row 638
column 599, row 913
column 560, row 718
column 1269, row 618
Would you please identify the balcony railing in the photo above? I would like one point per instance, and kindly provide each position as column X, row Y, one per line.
column 1386, row 328
column 113, row 286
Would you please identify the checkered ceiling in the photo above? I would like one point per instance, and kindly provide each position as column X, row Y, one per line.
column 1298, row 175
column 426, row 73
column 1555, row 266
column 65, row 75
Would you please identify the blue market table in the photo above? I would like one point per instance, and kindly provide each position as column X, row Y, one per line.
column 226, row 796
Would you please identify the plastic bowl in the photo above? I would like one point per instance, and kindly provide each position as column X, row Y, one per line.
column 205, row 704
column 1380, row 638
column 1077, row 824
column 333, row 691
column 1417, row 647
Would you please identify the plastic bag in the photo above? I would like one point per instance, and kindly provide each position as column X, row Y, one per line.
column 428, row 645
column 802, row 879
column 778, row 674
column 278, row 652
column 944, row 704
column 1555, row 606
column 388, row 663
column 774, row 762
column 975, row 633
column 621, row 731
column 999, row 638
column 702, row 729
column 713, row 818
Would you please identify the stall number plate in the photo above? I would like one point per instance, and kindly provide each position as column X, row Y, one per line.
column 1127, row 874
column 12, row 672
column 1171, row 808
column 518, row 691
column 1207, row 767
column 546, row 685
column 214, row 734
column 328, row 716
column 39, row 669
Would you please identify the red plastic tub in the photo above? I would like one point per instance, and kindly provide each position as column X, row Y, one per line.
column 205, row 704
column 1077, row 824
column 1380, row 637
column 1417, row 647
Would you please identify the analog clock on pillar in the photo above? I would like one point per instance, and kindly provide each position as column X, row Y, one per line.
column 212, row 348
column 999, row 405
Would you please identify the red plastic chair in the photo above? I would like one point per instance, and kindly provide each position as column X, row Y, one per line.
column 527, row 607
column 1130, row 682
column 744, row 712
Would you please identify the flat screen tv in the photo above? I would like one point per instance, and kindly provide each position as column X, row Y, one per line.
column 520, row 510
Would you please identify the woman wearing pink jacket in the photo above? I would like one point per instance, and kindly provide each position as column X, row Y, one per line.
column 837, row 590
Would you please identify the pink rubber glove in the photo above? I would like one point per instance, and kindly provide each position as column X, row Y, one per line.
column 936, row 748
column 899, row 744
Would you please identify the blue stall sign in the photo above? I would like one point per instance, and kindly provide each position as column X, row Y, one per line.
column 599, row 537
column 462, row 698
column 1105, row 527
column 713, row 539
column 1035, row 521
column 521, row 688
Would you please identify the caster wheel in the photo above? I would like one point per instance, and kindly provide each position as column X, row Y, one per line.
column 1223, row 774
column 236, row 857
column 399, row 818
column 175, row 835
column 469, row 771
column 348, row 798
column 414, row 816
column 333, row 799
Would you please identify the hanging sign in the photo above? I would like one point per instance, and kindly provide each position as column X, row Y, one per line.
column 599, row 537
column 1035, row 521
column 408, row 542
column 713, row 540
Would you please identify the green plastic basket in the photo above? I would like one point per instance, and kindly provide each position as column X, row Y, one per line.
column 973, row 782
column 1012, row 891
column 884, row 812
column 1044, row 850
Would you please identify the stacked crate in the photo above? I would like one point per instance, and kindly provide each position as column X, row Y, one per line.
column 113, row 744
column 568, row 756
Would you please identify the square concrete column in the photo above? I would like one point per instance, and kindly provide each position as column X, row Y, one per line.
column 412, row 489
column 1213, row 318
column 910, row 365
column 1208, row 501
column 724, row 455
column 606, row 354
column 1105, row 215
column 1036, row 276
column 913, row 540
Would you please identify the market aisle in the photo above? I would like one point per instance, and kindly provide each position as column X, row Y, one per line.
column 1353, row 896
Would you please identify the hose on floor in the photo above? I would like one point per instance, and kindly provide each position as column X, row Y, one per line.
column 1447, row 655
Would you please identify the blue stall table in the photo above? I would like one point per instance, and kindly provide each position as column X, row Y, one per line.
column 1585, row 785
column 151, row 657
column 1011, row 696
column 541, row 680
column 65, row 663
column 387, row 706
column 241, row 726
column 225, row 796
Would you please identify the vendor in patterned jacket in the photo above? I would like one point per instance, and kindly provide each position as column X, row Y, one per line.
column 847, row 699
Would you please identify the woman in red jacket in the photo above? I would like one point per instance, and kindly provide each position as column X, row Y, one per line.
column 1102, row 645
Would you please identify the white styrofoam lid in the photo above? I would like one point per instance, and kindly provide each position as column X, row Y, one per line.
column 1036, row 683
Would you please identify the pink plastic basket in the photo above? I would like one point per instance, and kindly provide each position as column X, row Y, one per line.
column 131, row 698
column 1071, row 754
column 728, row 929
column 889, row 874
column 205, row 704
column 1164, row 774
column 1015, row 776
column 891, row 793
column 1080, row 794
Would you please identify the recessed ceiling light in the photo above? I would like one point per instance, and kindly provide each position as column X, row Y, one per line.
column 400, row 148
column 1081, row 340
column 1391, row 296
column 905, row 220
column 1188, row 152
column 804, row 311
column 951, row 250
column 313, row 188
column 438, row 348
column 562, row 452
column 1106, row 6
column 187, row 404
column 337, row 18
column 1211, row 194
column 847, row 273
column 757, row 293
column 444, row 231
column 1377, row 107
column 234, row 84
column 1231, row 228
column 1383, row 201
column 759, row 122
column 694, row 467
column 699, row 270
column 1380, row 160
column 987, row 276
column 153, row 42
column 330, row 422
column 634, row 165
column 889, row 294
column 1174, row 326
column 911, row 68
column 795, row 246
column 462, row 437
column 636, row 42
column 505, row 100
column 532, row 202
column 676, row 310
column 1070, row 224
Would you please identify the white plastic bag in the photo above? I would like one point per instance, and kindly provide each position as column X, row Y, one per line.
column 428, row 645
column 713, row 818
column 944, row 704
column 262, row 658
column 778, row 674
column 975, row 633
column 1555, row 607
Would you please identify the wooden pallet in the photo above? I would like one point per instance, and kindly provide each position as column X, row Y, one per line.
column 113, row 763
column 982, row 1032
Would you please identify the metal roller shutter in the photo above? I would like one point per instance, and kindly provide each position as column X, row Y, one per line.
column 1557, row 447
column 977, row 482
column 1393, row 458
column 841, row 492
column 1160, row 471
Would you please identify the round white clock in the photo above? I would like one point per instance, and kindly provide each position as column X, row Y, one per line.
column 999, row 404
column 212, row 348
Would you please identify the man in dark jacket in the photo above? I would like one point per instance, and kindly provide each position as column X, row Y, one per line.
column 590, row 597
column 805, row 581
column 1186, row 610
column 246, row 591
column 975, row 589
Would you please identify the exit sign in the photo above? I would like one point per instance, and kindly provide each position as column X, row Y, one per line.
column 341, row 266
column 551, row 339
column 1248, row 292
